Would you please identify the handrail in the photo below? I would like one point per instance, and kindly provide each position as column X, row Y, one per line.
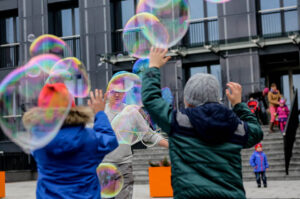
column 278, row 9
column 70, row 37
column 9, row 45
column 290, row 132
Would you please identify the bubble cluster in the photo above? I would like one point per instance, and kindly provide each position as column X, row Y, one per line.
column 140, row 66
column 167, row 95
column 141, row 32
column 124, row 88
column 111, row 180
column 129, row 125
column 24, row 119
column 49, row 44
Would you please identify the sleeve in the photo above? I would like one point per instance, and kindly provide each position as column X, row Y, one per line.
column 106, row 138
column 252, row 160
column 266, row 161
column 255, row 134
column 152, row 137
column 159, row 110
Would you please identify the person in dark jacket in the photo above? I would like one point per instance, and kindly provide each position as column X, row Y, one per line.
column 205, row 138
column 259, row 162
column 67, row 165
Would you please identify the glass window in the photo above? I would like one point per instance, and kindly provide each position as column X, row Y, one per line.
column 269, row 4
column 77, row 21
column 289, row 3
column 212, row 9
column 196, row 9
column 195, row 70
column 271, row 23
column 66, row 22
column 290, row 19
column 127, row 10
column 215, row 70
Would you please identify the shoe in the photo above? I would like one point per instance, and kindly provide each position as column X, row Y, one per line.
column 265, row 186
column 258, row 186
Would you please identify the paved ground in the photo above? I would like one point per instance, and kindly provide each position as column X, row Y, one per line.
column 276, row 189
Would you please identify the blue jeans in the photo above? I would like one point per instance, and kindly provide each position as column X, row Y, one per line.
column 262, row 175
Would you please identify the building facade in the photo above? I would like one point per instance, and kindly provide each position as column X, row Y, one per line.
column 253, row 42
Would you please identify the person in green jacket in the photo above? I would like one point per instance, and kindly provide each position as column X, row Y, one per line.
column 205, row 138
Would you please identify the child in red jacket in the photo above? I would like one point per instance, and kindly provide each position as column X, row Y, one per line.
column 282, row 113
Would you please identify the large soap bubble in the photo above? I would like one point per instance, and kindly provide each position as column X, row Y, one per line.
column 72, row 73
column 158, row 3
column 111, row 180
column 174, row 16
column 49, row 44
column 129, row 125
column 43, row 62
column 30, row 126
column 143, row 31
column 124, row 88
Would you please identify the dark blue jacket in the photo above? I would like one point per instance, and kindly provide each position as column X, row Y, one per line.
column 259, row 161
column 67, row 165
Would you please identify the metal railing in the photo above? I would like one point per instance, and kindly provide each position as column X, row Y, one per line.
column 278, row 22
column 9, row 55
column 73, row 43
column 291, row 130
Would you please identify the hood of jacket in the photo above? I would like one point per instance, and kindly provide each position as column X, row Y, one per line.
column 213, row 122
column 71, row 129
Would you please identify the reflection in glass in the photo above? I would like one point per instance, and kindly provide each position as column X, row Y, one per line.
column 271, row 23
column 195, row 70
column 66, row 22
column 291, row 21
column 127, row 10
column 287, row 3
column 196, row 9
column 269, row 4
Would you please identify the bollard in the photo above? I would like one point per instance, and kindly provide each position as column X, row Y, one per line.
column 2, row 184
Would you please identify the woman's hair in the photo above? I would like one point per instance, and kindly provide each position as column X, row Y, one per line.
column 273, row 85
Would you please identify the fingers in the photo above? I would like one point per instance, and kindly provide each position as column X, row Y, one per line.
column 92, row 97
column 105, row 97
column 89, row 102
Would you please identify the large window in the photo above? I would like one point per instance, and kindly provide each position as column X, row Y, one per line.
column 9, row 38
column 214, row 69
column 121, row 12
column 204, row 23
column 278, row 17
column 64, row 22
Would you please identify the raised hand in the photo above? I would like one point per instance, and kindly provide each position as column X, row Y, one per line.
column 235, row 96
column 158, row 57
column 97, row 101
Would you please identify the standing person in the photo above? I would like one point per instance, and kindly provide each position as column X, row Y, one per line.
column 283, row 114
column 122, row 156
column 273, row 98
column 205, row 138
column 259, row 162
column 67, row 165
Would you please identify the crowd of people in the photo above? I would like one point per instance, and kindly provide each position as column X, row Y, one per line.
column 205, row 138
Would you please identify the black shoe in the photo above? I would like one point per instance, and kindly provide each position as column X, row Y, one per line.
column 265, row 186
column 258, row 186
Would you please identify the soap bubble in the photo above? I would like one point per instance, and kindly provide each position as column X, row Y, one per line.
column 29, row 126
column 174, row 16
column 140, row 66
column 49, row 44
column 218, row 1
column 72, row 73
column 31, row 37
column 111, row 180
column 143, row 31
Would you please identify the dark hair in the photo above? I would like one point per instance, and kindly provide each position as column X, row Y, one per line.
column 273, row 85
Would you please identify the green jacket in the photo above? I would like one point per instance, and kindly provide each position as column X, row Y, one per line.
column 205, row 144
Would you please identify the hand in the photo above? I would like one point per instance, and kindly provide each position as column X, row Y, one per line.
column 97, row 101
column 235, row 97
column 158, row 57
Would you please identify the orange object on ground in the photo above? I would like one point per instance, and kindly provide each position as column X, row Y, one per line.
column 160, row 182
column 2, row 184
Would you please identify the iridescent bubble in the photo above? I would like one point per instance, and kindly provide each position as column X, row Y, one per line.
column 31, row 37
column 158, row 3
column 129, row 125
column 218, row 1
column 44, row 62
column 124, row 88
column 111, row 180
column 143, row 31
column 174, row 17
column 30, row 126
column 140, row 66
column 72, row 73
column 52, row 44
